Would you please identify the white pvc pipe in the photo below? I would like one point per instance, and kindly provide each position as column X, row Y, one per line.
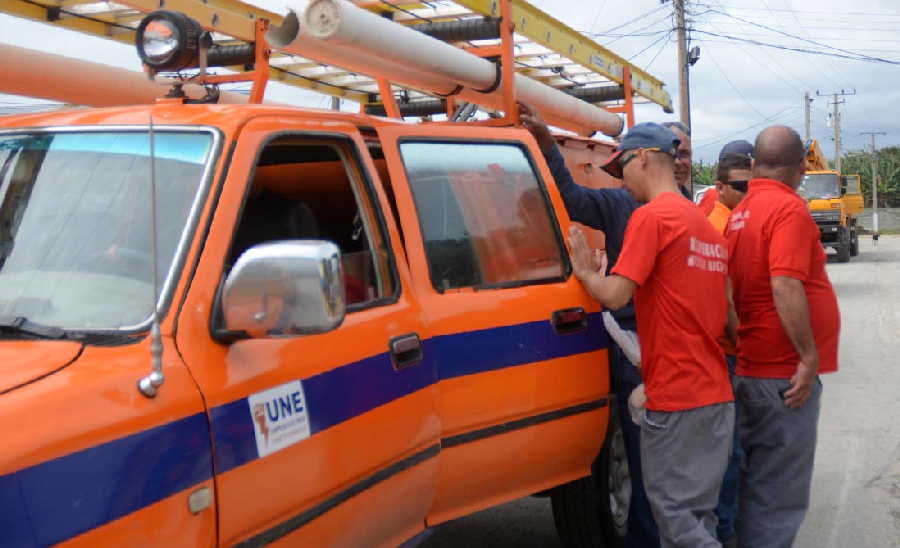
column 31, row 73
column 339, row 33
column 292, row 37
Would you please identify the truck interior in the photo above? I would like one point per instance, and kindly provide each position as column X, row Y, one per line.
column 311, row 189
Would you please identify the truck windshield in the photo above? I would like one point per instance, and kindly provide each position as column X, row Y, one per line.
column 820, row 186
column 75, row 222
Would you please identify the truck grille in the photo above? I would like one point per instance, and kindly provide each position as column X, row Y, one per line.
column 826, row 217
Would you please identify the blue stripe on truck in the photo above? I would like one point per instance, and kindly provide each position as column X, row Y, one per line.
column 58, row 499
column 64, row 497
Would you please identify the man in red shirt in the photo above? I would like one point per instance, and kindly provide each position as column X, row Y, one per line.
column 671, row 260
column 788, row 335
column 732, row 175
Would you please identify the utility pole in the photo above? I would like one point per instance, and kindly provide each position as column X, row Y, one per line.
column 874, row 185
column 836, row 118
column 684, row 94
column 806, row 102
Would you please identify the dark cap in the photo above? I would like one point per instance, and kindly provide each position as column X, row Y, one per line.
column 646, row 135
column 736, row 148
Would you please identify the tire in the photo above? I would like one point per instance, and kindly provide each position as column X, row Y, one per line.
column 843, row 248
column 854, row 242
column 593, row 511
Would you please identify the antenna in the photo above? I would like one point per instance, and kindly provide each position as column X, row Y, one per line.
column 149, row 385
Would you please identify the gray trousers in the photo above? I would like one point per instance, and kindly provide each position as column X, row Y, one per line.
column 684, row 455
column 779, row 445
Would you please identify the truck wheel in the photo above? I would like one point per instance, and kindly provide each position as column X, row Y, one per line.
column 843, row 247
column 854, row 242
column 593, row 511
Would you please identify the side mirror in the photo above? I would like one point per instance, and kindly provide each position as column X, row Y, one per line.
column 285, row 288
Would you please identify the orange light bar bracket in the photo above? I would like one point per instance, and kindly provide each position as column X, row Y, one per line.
column 259, row 76
column 628, row 107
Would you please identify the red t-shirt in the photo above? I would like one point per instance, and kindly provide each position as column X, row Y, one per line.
column 709, row 200
column 679, row 263
column 771, row 233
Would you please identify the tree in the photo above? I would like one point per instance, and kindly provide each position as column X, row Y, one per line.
column 860, row 162
column 703, row 174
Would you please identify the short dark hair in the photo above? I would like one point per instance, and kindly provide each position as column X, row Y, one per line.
column 729, row 162
column 679, row 126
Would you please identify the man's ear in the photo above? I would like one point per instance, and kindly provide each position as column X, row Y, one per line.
column 644, row 157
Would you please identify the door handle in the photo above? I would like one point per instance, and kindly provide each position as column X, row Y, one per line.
column 569, row 320
column 406, row 351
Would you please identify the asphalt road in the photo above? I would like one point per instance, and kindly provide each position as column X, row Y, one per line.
column 856, row 485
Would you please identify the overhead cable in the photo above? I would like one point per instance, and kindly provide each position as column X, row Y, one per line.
column 660, row 50
column 720, row 139
column 861, row 13
column 794, row 36
column 734, row 87
column 855, row 57
column 660, row 39
column 630, row 21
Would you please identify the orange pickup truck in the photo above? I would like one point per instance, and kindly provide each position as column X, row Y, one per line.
column 368, row 328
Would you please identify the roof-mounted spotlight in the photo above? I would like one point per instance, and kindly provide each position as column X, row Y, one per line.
column 169, row 41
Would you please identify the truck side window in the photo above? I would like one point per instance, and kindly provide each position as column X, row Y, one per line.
column 314, row 189
column 485, row 217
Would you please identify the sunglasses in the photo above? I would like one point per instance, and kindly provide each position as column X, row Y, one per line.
column 740, row 186
column 624, row 161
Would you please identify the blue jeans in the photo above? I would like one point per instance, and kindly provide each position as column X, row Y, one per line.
column 727, row 509
column 642, row 531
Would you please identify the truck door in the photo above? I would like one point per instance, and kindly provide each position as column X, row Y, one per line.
column 853, row 198
column 319, row 440
column 520, row 347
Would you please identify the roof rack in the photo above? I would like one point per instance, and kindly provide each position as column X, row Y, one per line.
column 545, row 49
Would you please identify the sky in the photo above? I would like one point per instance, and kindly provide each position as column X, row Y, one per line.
column 737, row 88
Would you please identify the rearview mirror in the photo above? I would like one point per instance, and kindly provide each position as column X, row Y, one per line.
column 285, row 288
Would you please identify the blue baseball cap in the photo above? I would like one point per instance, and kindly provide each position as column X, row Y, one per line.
column 646, row 135
column 736, row 148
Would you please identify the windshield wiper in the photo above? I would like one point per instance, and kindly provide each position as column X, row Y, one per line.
column 25, row 326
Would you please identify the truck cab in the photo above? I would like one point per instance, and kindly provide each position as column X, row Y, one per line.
column 366, row 328
column 835, row 201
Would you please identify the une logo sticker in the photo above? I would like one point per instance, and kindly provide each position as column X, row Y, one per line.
column 280, row 417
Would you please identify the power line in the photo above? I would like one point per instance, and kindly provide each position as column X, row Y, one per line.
column 630, row 21
column 657, row 41
column 631, row 35
column 865, row 29
column 794, row 36
column 734, row 87
column 766, row 65
column 664, row 44
column 730, row 135
column 769, row 8
column 599, row 13
column 872, row 14
column 827, row 62
column 709, row 41
column 853, row 57
column 826, row 37
column 636, row 32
